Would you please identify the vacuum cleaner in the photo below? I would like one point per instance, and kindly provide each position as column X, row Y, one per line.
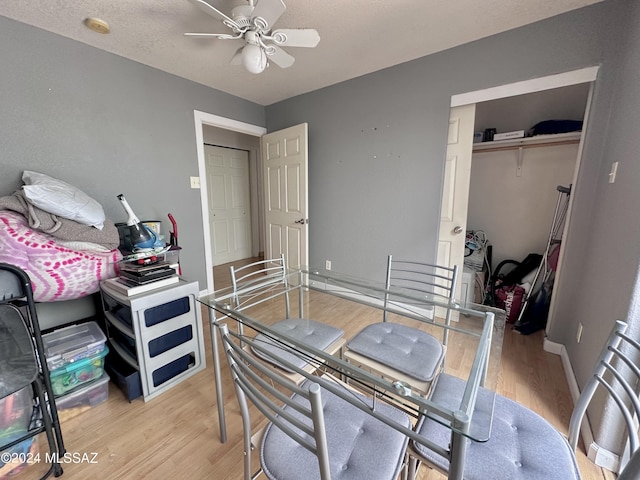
column 137, row 236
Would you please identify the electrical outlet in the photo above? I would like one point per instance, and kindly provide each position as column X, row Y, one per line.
column 579, row 334
column 195, row 182
column 327, row 264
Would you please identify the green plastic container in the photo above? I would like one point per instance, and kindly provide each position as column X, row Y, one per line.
column 67, row 378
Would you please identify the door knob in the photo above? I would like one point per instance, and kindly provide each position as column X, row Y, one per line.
column 302, row 221
column 457, row 229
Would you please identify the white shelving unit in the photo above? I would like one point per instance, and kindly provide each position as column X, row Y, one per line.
column 529, row 142
column 158, row 333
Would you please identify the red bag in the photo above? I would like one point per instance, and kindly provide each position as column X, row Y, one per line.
column 510, row 299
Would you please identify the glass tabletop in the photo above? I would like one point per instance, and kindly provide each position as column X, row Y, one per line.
column 473, row 348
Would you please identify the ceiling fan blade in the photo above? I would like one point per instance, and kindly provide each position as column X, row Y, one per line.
column 222, row 36
column 214, row 12
column 269, row 10
column 296, row 37
column 280, row 57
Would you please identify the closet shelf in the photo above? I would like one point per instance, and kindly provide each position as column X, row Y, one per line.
column 529, row 142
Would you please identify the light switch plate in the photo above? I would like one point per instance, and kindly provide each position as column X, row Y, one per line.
column 195, row 182
column 614, row 170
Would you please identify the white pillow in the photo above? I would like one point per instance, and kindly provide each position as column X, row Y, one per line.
column 60, row 198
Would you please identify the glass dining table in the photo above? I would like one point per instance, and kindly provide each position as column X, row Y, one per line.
column 473, row 346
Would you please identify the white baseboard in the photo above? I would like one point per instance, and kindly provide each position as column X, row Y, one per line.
column 559, row 349
column 598, row 455
column 553, row 347
column 394, row 306
column 603, row 457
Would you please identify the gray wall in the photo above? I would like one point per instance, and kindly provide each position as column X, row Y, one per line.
column 377, row 145
column 605, row 271
column 107, row 125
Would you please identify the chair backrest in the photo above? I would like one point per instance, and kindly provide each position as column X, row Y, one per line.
column 259, row 282
column 11, row 283
column 18, row 364
column 271, row 392
column 16, row 288
column 421, row 278
column 631, row 470
column 616, row 371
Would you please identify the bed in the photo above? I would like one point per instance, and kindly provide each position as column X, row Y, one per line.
column 64, row 259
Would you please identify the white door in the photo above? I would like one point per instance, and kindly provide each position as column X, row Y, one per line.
column 229, row 203
column 455, row 191
column 285, row 159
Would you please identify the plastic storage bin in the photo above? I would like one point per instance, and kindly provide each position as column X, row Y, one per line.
column 171, row 369
column 66, row 378
column 71, row 344
column 124, row 375
column 121, row 312
column 171, row 256
column 21, row 454
column 87, row 395
column 125, row 343
column 167, row 311
column 15, row 413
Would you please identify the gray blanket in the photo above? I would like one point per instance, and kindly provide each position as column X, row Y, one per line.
column 58, row 227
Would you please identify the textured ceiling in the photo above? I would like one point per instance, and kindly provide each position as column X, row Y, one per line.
column 357, row 36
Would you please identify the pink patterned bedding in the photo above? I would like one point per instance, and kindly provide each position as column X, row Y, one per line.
column 57, row 272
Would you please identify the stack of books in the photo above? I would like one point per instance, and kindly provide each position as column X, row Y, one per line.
column 135, row 279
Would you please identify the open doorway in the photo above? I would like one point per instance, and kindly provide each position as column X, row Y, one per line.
column 230, row 209
column 283, row 159
column 455, row 243
column 512, row 192
column 233, row 177
column 221, row 131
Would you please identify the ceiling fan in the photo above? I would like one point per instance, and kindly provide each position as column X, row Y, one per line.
column 253, row 22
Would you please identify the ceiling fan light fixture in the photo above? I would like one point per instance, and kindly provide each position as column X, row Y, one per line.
column 252, row 21
column 254, row 58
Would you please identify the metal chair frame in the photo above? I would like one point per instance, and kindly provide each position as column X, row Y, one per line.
column 266, row 280
column 423, row 278
column 16, row 299
column 618, row 374
column 261, row 281
column 271, row 392
column 411, row 277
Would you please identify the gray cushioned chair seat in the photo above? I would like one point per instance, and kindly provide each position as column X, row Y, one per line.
column 406, row 349
column 360, row 446
column 523, row 445
column 310, row 332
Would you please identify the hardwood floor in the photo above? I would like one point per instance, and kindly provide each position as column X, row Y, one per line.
column 176, row 434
